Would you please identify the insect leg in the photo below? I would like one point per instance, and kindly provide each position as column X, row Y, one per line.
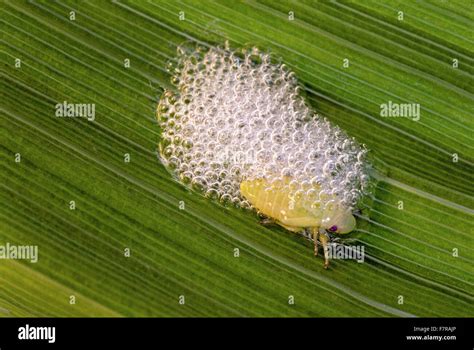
column 267, row 222
column 315, row 239
column 323, row 238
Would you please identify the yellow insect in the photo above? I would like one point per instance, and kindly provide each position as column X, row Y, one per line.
column 277, row 201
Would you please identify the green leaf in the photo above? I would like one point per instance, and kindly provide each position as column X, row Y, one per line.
column 423, row 252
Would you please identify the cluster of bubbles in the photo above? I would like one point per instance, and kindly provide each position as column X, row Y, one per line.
column 236, row 115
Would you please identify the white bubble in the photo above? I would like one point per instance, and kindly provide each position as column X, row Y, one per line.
column 237, row 116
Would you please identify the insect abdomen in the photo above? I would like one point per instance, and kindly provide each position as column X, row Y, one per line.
column 275, row 202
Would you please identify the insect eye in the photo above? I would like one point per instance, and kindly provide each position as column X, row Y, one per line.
column 333, row 228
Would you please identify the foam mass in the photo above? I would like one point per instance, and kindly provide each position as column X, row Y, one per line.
column 236, row 115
